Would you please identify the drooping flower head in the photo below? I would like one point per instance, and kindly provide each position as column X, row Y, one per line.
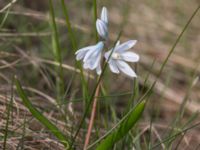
column 91, row 56
column 118, row 56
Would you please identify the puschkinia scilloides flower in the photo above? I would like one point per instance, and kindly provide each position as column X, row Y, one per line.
column 91, row 56
column 119, row 56
column 102, row 24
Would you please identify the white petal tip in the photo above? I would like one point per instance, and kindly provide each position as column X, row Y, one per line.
column 104, row 15
column 132, row 43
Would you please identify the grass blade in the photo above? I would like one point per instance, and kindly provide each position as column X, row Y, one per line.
column 95, row 18
column 75, row 48
column 42, row 119
column 57, row 53
column 175, row 135
column 123, row 129
column 7, row 122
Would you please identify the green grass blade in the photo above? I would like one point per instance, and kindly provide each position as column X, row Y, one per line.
column 9, row 109
column 176, row 42
column 148, row 92
column 175, row 135
column 42, row 119
column 55, row 32
column 7, row 122
column 57, row 53
column 95, row 18
column 71, row 33
column 123, row 129
column 74, row 47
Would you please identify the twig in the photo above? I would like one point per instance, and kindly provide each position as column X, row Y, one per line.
column 8, row 5
column 28, row 34
column 94, row 106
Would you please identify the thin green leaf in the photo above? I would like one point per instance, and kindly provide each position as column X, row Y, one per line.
column 57, row 53
column 123, row 129
column 7, row 122
column 39, row 116
column 74, row 48
column 95, row 18
column 175, row 135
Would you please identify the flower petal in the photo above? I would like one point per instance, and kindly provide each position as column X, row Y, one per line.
column 125, row 68
column 107, row 54
column 92, row 58
column 98, row 69
column 96, row 61
column 125, row 46
column 102, row 28
column 113, row 66
column 86, row 65
column 104, row 15
column 130, row 56
column 89, row 54
column 92, row 62
column 80, row 55
column 94, row 51
column 81, row 52
column 84, row 49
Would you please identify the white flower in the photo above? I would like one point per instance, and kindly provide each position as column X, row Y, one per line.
column 119, row 56
column 91, row 56
column 102, row 24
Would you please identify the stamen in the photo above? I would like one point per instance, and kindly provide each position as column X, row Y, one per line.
column 116, row 56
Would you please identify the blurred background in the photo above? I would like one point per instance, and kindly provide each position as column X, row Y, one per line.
column 26, row 52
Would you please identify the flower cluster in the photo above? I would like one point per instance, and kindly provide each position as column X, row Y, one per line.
column 117, row 57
